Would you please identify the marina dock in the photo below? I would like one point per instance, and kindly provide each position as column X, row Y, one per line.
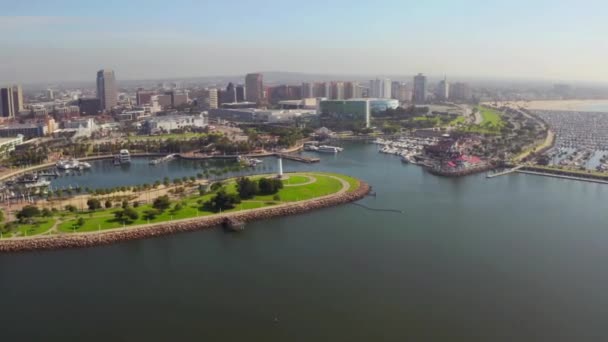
column 298, row 158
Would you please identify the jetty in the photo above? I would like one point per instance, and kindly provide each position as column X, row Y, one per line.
column 506, row 172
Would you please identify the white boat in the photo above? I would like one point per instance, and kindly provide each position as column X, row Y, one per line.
column 249, row 162
column 84, row 165
column 67, row 164
column 329, row 149
column 39, row 184
column 72, row 164
column 162, row 160
column 124, row 157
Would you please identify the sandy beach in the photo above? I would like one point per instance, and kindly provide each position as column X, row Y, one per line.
column 567, row 105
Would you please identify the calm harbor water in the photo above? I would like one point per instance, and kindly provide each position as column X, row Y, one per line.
column 514, row 258
column 104, row 174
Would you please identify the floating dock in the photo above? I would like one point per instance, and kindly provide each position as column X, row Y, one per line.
column 298, row 158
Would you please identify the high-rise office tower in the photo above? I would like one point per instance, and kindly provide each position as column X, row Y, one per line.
column 353, row 90
column 357, row 90
column 307, row 90
column 229, row 96
column 337, row 90
column 419, row 95
column 443, row 90
column 326, row 87
column 49, row 94
column 395, row 89
column 240, row 93
column 11, row 101
column 17, row 98
column 211, row 98
column 322, row 90
column 402, row 92
column 7, row 107
column 107, row 93
column 380, row 88
column 386, row 89
column 255, row 87
column 349, row 90
column 374, row 88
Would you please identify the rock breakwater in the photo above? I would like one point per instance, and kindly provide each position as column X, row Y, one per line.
column 82, row 240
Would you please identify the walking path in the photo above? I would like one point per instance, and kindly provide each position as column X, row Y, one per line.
column 311, row 180
column 478, row 118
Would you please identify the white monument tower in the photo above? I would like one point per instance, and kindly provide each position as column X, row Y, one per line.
column 280, row 167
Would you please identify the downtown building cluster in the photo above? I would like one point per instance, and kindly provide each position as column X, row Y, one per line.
column 251, row 99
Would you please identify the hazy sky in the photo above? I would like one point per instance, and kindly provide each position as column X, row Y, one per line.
column 54, row 40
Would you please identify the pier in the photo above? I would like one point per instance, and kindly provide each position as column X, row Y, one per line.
column 506, row 172
column 298, row 158
column 48, row 173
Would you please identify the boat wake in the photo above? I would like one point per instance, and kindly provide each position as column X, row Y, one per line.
column 374, row 209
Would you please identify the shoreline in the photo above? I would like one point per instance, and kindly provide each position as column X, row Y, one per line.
column 91, row 239
column 184, row 156
column 556, row 105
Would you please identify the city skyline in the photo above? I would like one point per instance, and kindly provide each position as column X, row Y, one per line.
column 468, row 38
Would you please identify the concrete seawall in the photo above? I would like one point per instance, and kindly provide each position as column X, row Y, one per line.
column 81, row 240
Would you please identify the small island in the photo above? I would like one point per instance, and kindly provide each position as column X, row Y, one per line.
column 184, row 207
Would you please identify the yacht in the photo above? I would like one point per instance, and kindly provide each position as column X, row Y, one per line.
column 249, row 162
column 311, row 148
column 124, row 157
column 67, row 164
column 84, row 165
column 72, row 164
column 329, row 149
column 38, row 184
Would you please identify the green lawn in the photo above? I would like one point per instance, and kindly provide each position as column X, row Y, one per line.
column 295, row 180
column 41, row 226
column 103, row 219
column 457, row 121
column 436, row 121
column 491, row 118
column 492, row 122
